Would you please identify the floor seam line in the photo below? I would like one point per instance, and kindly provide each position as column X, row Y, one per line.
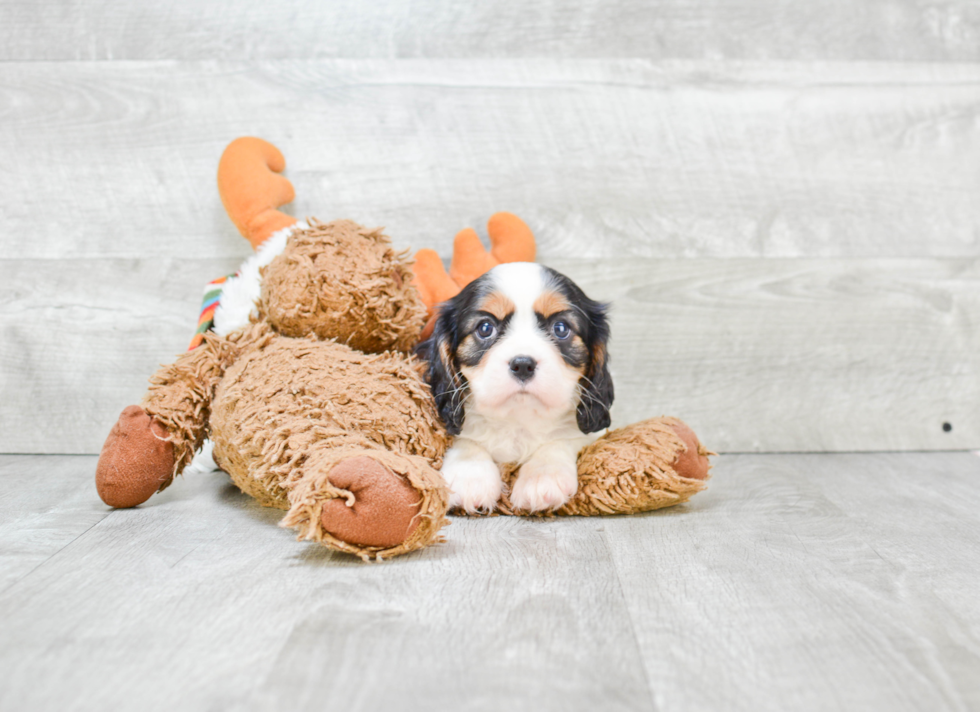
column 629, row 614
column 74, row 539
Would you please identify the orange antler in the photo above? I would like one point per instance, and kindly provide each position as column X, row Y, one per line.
column 511, row 240
column 251, row 188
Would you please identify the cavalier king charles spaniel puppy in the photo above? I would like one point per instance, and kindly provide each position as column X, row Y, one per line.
column 517, row 363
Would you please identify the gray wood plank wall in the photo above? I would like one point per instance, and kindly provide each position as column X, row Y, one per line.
column 780, row 198
column 845, row 30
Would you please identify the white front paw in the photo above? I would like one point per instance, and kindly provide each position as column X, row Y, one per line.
column 475, row 484
column 544, row 484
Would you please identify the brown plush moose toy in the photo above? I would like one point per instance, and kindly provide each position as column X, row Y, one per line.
column 308, row 390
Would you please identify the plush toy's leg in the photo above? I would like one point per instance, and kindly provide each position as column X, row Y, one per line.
column 137, row 460
column 648, row 465
column 693, row 462
column 385, row 506
column 367, row 501
column 149, row 446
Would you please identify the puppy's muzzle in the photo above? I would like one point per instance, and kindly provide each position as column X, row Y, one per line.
column 522, row 368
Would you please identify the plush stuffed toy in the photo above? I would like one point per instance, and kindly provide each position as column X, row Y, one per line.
column 306, row 386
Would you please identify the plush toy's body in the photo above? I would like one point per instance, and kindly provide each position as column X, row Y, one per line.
column 313, row 401
column 304, row 422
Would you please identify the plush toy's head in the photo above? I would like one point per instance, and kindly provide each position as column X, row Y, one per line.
column 340, row 280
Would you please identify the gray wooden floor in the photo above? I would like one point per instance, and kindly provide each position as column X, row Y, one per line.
column 798, row 582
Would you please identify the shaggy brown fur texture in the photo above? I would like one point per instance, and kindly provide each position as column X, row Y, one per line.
column 282, row 412
column 633, row 469
column 179, row 396
column 341, row 281
column 289, row 410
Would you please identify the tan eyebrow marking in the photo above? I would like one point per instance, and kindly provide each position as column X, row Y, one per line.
column 549, row 303
column 497, row 304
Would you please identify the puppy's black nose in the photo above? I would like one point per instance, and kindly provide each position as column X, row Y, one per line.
column 522, row 367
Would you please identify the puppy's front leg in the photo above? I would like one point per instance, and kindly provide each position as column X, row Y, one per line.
column 472, row 476
column 549, row 478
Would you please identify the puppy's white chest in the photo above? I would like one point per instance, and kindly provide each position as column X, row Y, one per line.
column 517, row 440
column 514, row 445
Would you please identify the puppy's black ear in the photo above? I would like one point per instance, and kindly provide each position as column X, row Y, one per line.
column 447, row 383
column 596, row 385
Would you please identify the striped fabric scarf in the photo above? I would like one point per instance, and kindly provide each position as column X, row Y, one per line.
column 212, row 298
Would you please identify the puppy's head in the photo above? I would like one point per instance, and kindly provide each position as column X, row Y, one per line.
column 522, row 341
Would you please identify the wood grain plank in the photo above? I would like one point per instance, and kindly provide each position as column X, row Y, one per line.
column 46, row 504
column 817, row 582
column 757, row 355
column 797, row 355
column 80, row 338
column 604, row 158
column 196, row 601
column 881, row 30
column 805, row 582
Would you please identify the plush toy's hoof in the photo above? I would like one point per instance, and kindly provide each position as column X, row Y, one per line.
column 385, row 510
column 692, row 463
column 137, row 459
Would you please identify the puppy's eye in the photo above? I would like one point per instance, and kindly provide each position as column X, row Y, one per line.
column 485, row 329
column 561, row 330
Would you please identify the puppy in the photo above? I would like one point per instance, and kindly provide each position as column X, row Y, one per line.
column 518, row 366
